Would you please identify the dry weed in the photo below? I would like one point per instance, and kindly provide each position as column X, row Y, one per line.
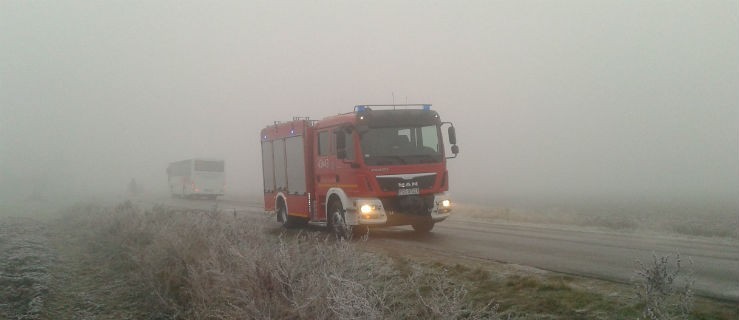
column 213, row 265
column 662, row 290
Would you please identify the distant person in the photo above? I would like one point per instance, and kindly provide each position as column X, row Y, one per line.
column 133, row 188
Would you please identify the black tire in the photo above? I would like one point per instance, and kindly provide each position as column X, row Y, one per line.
column 336, row 221
column 283, row 217
column 423, row 227
column 286, row 219
column 360, row 231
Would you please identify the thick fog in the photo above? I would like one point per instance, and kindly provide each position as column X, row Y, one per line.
column 549, row 98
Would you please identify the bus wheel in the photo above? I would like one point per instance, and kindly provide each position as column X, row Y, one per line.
column 336, row 222
column 423, row 227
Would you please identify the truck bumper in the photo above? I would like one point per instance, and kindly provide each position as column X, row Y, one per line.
column 442, row 207
column 370, row 211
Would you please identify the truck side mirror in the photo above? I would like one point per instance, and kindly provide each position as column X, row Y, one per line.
column 455, row 149
column 452, row 136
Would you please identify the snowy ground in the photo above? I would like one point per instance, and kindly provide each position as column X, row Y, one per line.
column 47, row 270
column 63, row 268
column 25, row 261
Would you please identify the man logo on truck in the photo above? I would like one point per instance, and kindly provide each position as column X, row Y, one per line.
column 366, row 168
column 408, row 184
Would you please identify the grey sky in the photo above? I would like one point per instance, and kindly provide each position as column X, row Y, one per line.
column 548, row 97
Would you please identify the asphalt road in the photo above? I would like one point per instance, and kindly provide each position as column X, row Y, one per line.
column 585, row 252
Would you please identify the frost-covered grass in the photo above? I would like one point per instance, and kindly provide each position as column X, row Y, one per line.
column 202, row 264
column 24, row 268
column 128, row 262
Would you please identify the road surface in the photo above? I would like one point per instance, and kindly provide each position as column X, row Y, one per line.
column 586, row 252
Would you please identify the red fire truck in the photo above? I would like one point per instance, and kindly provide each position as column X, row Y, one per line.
column 380, row 165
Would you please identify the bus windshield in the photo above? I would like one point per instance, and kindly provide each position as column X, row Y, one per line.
column 401, row 145
column 208, row 166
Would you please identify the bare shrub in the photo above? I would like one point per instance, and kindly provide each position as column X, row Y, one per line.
column 663, row 291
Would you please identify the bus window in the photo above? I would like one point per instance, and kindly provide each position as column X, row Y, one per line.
column 208, row 166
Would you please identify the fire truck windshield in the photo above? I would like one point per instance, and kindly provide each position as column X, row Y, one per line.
column 401, row 145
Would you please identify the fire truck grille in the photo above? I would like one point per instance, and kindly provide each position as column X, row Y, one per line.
column 412, row 205
column 396, row 183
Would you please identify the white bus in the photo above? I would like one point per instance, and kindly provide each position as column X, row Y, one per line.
column 197, row 178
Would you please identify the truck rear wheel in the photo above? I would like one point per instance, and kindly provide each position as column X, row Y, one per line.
column 283, row 217
column 286, row 219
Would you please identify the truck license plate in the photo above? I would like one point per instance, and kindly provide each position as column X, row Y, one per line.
column 406, row 192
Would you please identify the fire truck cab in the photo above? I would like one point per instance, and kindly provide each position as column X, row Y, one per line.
column 380, row 165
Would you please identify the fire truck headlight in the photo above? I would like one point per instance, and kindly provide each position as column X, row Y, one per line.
column 446, row 203
column 369, row 209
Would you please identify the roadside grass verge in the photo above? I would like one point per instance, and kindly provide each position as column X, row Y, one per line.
column 94, row 277
column 195, row 264
column 24, row 268
column 522, row 294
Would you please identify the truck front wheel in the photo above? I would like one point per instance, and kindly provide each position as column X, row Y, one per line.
column 336, row 222
column 423, row 227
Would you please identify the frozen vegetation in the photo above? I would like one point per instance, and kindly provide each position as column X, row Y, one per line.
column 24, row 268
column 91, row 261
